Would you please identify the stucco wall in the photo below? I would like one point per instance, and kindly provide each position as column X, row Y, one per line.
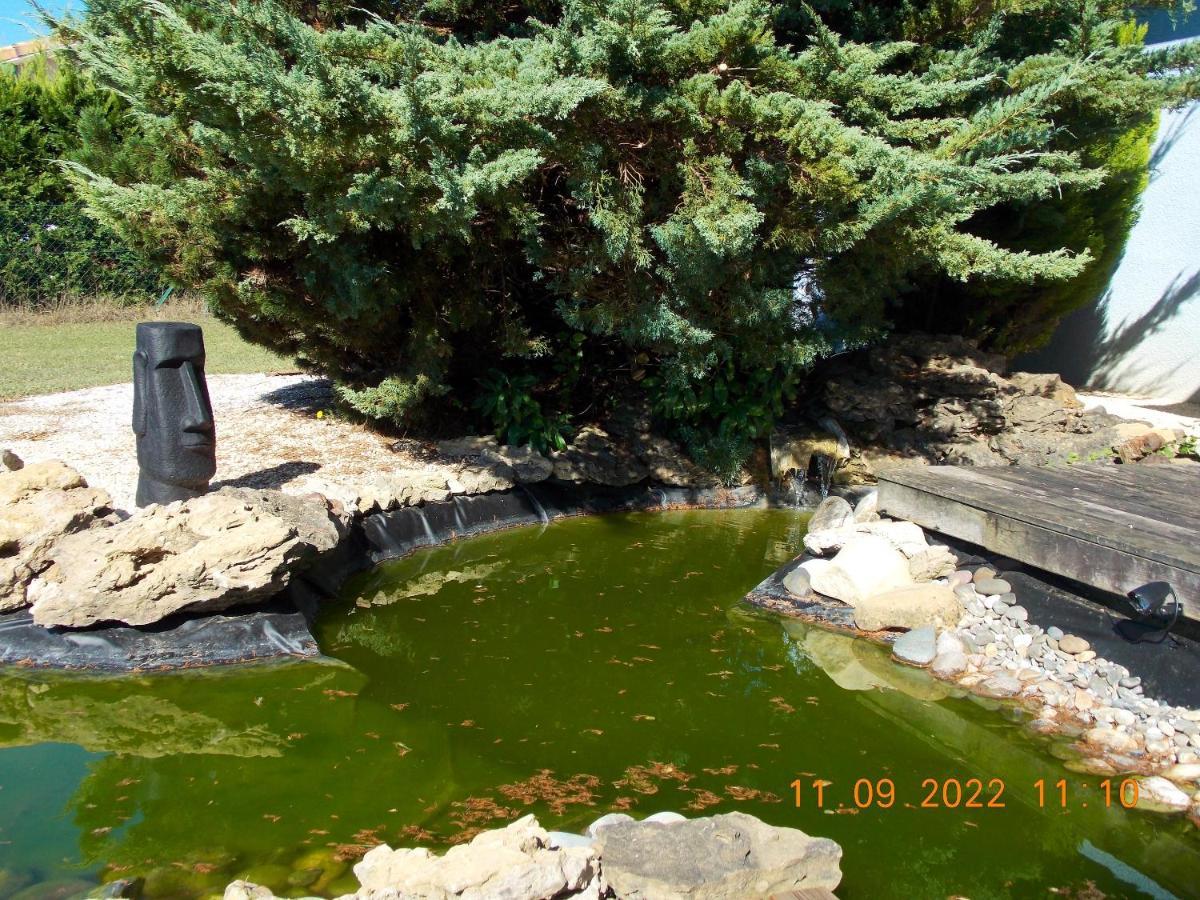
column 1143, row 336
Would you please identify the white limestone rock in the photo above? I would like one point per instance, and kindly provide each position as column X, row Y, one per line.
column 726, row 857
column 1160, row 795
column 224, row 549
column 512, row 863
column 909, row 607
column 40, row 504
column 834, row 512
column 865, row 566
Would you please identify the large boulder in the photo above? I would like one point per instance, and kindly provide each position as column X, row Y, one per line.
column 908, row 607
column 727, row 857
column 907, row 537
column 388, row 491
column 522, row 464
column 40, row 503
column 482, row 478
column 1049, row 385
column 518, row 862
column 208, row 554
column 596, row 458
column 833, row 513
column 668, row 464
column 866, row 565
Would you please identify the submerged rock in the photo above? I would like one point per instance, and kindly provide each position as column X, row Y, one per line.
column 734, row 856
column 208, row 554
column 40, row 504
column 916, row 648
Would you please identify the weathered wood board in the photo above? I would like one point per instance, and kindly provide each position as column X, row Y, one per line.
column 1112, row 527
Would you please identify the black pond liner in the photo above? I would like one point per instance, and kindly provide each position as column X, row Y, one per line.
column 281, row 629
column 1170, row 671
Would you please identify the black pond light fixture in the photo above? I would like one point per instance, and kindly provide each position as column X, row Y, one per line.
column 1156, row 610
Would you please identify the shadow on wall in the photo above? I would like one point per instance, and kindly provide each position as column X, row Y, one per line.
column 1169, row 134
column 1087, row 351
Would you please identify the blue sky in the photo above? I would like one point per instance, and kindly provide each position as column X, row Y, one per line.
column 17, row 17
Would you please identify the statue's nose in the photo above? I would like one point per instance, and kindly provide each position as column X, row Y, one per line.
column 196, row 419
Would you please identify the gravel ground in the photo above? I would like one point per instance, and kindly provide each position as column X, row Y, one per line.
column 1182, row 416
column 268, row 435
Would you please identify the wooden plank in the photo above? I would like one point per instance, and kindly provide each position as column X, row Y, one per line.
column 1168, row 507
column 1166, row 542
column 1067, row 498
column 935, row 504
column 1169, row 485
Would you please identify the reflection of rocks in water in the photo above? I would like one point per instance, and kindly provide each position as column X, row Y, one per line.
column 856, row 665
column 977, row 745
column 428, row 585
column 138, row 724
column 12, row 881
column 61, row 889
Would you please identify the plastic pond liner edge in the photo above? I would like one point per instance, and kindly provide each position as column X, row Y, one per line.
column 281, row 629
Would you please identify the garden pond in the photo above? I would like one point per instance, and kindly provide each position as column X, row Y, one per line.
column 587, row 666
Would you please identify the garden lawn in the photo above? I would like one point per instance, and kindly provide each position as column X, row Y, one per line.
column 48, row 358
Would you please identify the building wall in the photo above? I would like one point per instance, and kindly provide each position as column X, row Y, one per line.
column 1143, row 335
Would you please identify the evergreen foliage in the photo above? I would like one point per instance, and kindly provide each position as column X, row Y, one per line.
column 689, row 200
column 48, row 247
column 1106, row 131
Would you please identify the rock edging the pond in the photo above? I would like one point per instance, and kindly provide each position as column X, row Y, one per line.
column 733, row 856
column 886, row 583
column 920, row 399
column 235, row 575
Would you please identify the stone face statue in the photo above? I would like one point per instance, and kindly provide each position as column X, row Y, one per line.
column 172, row 415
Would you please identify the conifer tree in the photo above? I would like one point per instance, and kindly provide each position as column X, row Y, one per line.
column 684, row 199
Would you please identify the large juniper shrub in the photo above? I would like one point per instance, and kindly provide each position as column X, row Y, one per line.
column 678, row 202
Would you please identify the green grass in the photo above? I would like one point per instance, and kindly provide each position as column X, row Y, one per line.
column 48, row 358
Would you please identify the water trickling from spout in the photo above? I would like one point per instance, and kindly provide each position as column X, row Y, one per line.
column 543, row 517
column 459, row 522
column 824, row 475
column 425, row 525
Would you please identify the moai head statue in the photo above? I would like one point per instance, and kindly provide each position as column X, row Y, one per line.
column 172, row 416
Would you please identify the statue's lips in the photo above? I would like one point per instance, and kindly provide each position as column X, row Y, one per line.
column 195, row 441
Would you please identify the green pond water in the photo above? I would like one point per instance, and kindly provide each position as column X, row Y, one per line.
column 589, row 666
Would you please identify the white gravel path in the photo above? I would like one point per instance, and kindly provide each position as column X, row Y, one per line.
column 268, row 435
column 1182, row 416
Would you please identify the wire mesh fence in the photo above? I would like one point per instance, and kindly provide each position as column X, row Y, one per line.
column 51, row 253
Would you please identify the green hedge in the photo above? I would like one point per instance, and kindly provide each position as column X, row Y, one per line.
column 50, row 249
